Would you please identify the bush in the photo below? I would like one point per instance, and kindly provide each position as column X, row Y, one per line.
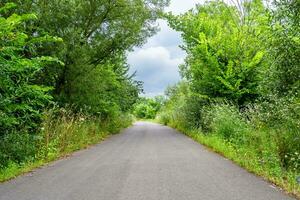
column 18, row 148
column 227, row 122
column 274, row 134
column 279, row 118
column 164, row 117
column 22, row 101
column 63, row 131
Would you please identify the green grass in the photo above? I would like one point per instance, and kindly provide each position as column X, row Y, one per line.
column 247, row 158
column 14, row 170
column 63, row 136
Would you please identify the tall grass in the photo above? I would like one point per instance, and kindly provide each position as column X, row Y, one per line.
column 254, row 137
column 62, row 133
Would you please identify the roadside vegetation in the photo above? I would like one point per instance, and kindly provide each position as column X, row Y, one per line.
column 240, row 89
column 147, row 108
column 64, row 81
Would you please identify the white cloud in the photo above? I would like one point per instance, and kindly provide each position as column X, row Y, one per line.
column 181, row 6
column 155, row 67
column 157, row 61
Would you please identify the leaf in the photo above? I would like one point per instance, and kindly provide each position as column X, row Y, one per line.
column 49, row 59
column 7, row 7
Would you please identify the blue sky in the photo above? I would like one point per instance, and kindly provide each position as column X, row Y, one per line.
column 157, row 61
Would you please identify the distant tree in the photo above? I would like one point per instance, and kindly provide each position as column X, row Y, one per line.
column 147, row 108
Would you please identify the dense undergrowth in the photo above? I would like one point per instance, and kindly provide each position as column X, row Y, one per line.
column 73, row 57
column 240, row 89
column 267, row 148
column 240, row 93
column 62, row 133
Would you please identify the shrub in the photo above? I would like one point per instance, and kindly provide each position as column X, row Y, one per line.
column 227, row 122
column 22, row 101
column 18, row 148
column 279, row 118
column 63, row 131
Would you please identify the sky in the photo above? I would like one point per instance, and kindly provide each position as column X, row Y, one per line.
column 156, row 63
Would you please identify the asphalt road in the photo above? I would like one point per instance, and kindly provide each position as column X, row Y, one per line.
column 147, row 161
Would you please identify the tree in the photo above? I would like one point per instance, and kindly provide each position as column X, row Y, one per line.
column 22, row 102
column 224, row 53
column 147, row 108
column 96, row 34
column 284, row 49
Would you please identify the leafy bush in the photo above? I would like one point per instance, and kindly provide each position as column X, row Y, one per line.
column 280, row 117
column 228, row 123
column 22, row 101
column 224, row 54
column 283, row 75
column 17, row 148
column 62, row 132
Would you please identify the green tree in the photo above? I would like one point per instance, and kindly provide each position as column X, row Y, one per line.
column 147, row 108
column 97, row 34
column 284, row 47
column 224, row 51
column 22, row 102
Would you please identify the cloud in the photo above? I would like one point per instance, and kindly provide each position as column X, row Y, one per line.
column 180, row 6
column 157, row 61
column 165, row 37
column 155, row 67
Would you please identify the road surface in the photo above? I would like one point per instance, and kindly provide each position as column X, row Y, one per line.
column 146, row 162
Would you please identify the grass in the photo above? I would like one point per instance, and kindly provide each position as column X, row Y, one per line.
column 62, row 136
column 247, row 158
column 14, row 170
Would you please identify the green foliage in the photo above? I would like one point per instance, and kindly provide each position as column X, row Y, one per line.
column 227, row 122
column 147, row 108
column 19, row 98
column 96, row 37
column 82, row 67
column 22, row 101
column 224, row 54
column 240, row 89
column 281, row 119
column 62, row 133
column 114, row 92
column 284, row 72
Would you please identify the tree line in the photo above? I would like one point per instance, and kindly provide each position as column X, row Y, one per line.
column 240, row 87
column 66, row 61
